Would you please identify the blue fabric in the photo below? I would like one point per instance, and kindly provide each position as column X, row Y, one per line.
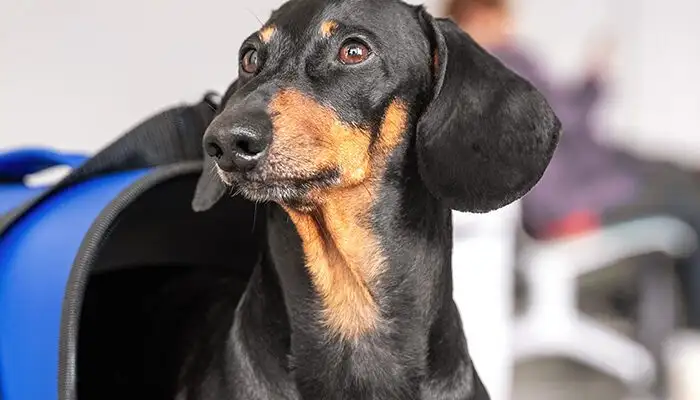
column 12, row 195
column 17, row 164
column 36, row 256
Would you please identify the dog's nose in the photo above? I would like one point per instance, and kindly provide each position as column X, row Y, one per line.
column 236, row 150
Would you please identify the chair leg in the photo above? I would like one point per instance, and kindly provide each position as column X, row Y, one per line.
column 656, row 313
column 590, row 343
column 608, row 351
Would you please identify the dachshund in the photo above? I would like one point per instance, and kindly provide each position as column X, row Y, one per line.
column 359, row 125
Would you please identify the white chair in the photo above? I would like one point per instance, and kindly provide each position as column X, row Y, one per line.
column 552, row 325
column 483, row 271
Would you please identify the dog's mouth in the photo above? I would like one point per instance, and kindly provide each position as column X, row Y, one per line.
column 292, row 191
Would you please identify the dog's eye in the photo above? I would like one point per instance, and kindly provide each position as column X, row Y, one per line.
column 353, row 52
column 250, row 63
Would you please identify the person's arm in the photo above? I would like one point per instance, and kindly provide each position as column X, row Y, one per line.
column 586, row 94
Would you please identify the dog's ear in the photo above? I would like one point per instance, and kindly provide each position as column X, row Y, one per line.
column 210, row 188
column 487, row 135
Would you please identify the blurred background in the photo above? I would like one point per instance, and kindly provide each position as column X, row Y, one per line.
column 587, row 289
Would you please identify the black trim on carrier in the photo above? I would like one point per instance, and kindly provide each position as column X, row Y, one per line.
column 151, row 284
column 87, row 254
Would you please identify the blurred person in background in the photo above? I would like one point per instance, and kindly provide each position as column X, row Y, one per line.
column 587, row 184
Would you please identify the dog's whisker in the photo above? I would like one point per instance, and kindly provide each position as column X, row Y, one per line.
column 323, row 141
column 233, row 191
column 364, row 184
column 255, row 16
column 255, row 215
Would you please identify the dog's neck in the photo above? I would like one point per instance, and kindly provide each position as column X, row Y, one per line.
column 344, row 261
column 369, row 287
column 360, row 255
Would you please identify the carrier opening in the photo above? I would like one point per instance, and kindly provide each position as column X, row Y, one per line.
column 163, row 281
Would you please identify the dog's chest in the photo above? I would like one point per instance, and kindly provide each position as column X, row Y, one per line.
column 368, row 370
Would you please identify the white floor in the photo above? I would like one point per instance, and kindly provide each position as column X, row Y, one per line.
column 561, row 380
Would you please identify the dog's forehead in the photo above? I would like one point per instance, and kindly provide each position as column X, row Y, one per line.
column 300, row 18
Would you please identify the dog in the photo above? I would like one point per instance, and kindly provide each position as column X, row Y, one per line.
column 359, row 125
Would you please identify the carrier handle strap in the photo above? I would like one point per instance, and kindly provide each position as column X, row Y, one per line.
column 15, row 165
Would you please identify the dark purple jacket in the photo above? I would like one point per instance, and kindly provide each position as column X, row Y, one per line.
column 583, row 174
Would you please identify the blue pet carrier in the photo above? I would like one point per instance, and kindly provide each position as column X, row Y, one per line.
column 103, row 274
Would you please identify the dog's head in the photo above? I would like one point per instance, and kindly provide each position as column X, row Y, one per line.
column 329, row 92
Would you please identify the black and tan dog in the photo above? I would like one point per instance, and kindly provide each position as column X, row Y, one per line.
column 363, row 123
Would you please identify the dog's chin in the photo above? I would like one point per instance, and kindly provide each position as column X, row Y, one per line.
column 294, row 193
column 274, row 192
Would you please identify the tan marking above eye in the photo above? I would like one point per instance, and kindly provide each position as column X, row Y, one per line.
column 267, row 33
column 328, row 27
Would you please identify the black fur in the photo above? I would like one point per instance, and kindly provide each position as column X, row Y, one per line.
column 479, row 138
column 482, row 140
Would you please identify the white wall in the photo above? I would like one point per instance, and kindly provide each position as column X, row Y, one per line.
column 657, row 98
column 76, row 73
column 654, row 102
column 561, row 32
